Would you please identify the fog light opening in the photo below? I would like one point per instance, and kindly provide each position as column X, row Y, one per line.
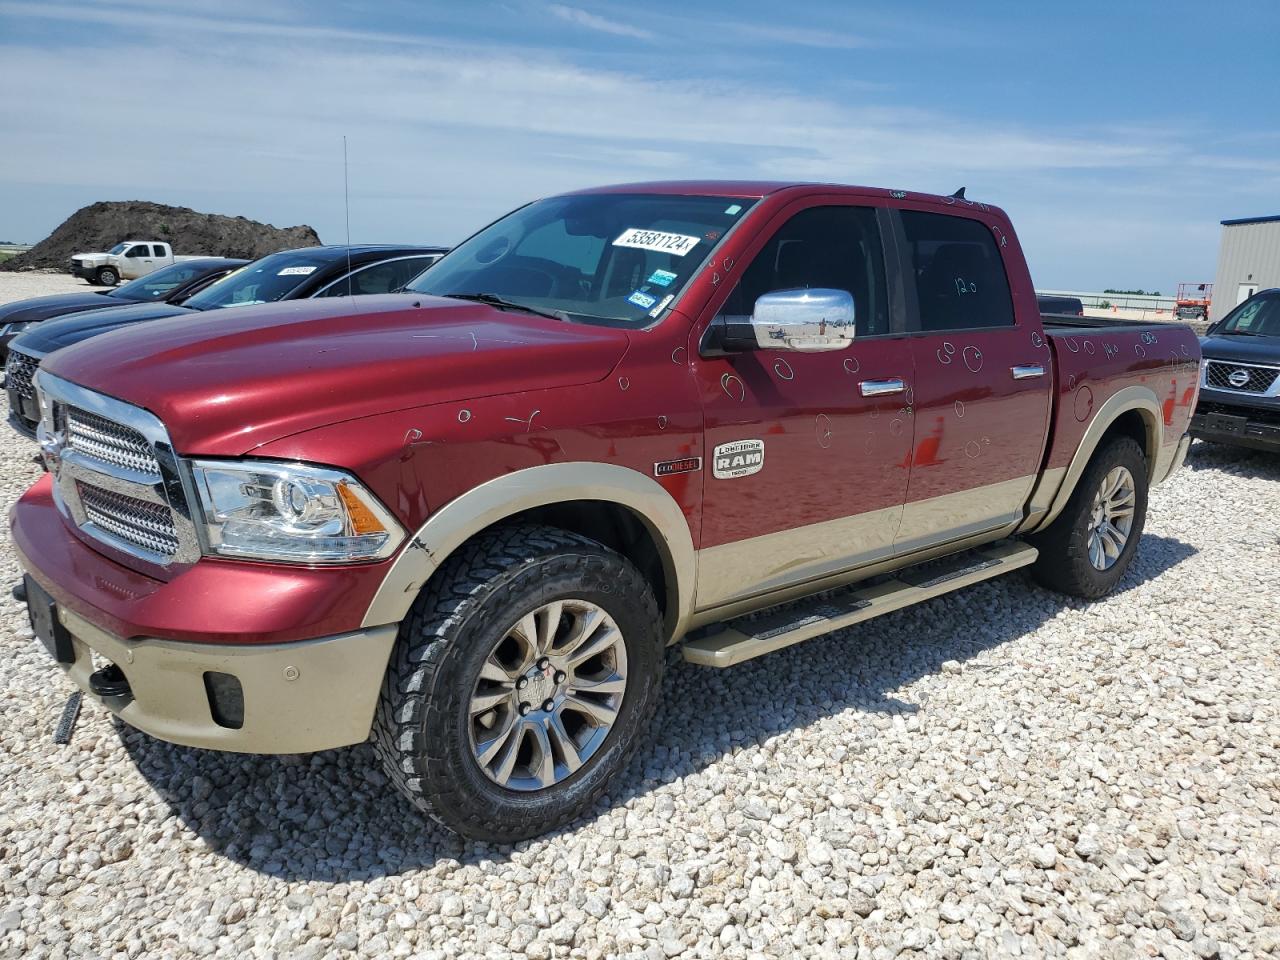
column 226, row 699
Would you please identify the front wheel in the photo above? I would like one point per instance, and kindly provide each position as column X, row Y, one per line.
column 523, row 678
column 107, row 277
column 1089, row 547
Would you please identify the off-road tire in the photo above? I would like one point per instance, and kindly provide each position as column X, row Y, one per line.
column 106, row 277
column 421, row 727
column 1064, row 564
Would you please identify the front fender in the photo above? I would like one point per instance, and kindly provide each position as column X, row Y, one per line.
column 496, row 500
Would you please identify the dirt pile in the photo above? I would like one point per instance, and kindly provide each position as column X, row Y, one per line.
column 100, row 226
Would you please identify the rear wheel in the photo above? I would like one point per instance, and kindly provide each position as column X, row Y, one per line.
column 107, row 277
column 1089, row 547
column 523, row 678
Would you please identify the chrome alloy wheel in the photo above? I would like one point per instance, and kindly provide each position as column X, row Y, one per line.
column 547, row 695
column 1112, row 519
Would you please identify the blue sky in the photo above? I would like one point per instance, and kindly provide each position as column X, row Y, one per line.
column 1116, row 134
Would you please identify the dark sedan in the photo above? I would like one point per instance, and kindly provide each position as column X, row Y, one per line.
column 172, row 284
column 336, row 271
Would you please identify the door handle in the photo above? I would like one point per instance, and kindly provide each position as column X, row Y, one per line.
column 881, row 388
column 1027, row 371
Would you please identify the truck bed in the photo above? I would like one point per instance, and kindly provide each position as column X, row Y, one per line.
column 1070, row 323
column 1094, row 359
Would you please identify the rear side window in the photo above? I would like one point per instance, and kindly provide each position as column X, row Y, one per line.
column 158, row 250
column 959, row 276
column 833, row 247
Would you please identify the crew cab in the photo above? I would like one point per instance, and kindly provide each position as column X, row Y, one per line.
column 1240, row 391
column 290, row 275
column 172, row 284
column 466, row 519
column 128, row 260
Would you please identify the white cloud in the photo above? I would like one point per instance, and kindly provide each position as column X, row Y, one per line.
column 445, row 136
column 591, row 21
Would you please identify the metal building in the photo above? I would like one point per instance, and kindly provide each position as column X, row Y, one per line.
column 1248, row 261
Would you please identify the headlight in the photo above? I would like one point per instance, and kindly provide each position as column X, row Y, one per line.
column 291, row 512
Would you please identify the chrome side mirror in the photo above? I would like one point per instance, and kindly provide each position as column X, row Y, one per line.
column 806, row 320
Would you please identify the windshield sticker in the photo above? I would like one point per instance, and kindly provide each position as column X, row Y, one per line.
column 296, row 272
column 662, row 278
column 642, row 300
column 663, row 305
column 674, row 243
column 733, row 210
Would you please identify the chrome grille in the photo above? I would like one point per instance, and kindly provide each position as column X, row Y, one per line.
column 136, row 522
column 19, row 368
column 1218, row 373
column 109, row 442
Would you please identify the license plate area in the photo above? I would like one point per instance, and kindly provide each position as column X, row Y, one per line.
column 1225, row 423
column 43, row 613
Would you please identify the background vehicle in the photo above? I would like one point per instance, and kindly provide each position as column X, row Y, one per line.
column 1240, row 387
column 1193, row 301
column 128, row 261
column 289, row 275
column 1067, row 306
column 171, row 284
column 605, row 420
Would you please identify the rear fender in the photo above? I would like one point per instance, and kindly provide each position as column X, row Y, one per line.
column 1135, row 398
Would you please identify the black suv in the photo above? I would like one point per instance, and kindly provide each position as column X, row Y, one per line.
column 1240, row 379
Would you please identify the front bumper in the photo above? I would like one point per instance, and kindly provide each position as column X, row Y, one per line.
column 295, row 697
column 309, row 671
column 1255, row 424
column 81, row 269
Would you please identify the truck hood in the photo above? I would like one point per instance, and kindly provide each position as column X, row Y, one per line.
column 42, row 308
column 243, row 377
column 66, row 330
column 1245, row 349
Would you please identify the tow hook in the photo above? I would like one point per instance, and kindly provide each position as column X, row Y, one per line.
column 110, row 681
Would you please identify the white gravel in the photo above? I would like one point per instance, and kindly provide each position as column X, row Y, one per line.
column 1002, row 772
column 40, row 283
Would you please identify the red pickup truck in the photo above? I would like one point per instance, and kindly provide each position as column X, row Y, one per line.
column 466, row 518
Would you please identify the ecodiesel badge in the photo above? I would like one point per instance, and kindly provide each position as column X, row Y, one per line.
column 741, row 458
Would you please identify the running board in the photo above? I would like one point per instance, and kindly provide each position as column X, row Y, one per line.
column 749, row 637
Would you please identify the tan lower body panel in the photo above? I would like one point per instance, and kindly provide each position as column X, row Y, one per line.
column 298, row 697
column 770, row 562
column 732, row 646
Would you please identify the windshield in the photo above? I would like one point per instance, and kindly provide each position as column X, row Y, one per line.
column 118, row 248
column 263, row 281
column 1258, row 316
column 610, row 258
column 158, row 285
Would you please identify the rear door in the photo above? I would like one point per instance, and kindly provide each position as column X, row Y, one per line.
column 982, row 393
column 807, row 463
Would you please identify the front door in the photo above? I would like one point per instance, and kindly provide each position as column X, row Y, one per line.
column 805, row 475
column 982, row 390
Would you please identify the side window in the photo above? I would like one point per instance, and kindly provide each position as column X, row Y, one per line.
column 835, row 247
column 138, row 250
column 959, row 276
column 405, row 270
column 157, row 250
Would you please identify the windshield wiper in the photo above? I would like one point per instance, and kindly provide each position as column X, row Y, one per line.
column 1237, row 333
column 493, row 300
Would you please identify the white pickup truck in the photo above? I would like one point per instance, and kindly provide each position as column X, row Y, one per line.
column 125, row 261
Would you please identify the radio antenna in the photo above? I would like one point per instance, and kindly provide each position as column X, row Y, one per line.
column 346, row 203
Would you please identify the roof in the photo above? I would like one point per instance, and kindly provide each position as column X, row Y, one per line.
column 333, row 252
column 1233, row 223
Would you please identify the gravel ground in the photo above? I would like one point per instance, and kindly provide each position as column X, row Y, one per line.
column 1002, row 772
column 40, row 283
